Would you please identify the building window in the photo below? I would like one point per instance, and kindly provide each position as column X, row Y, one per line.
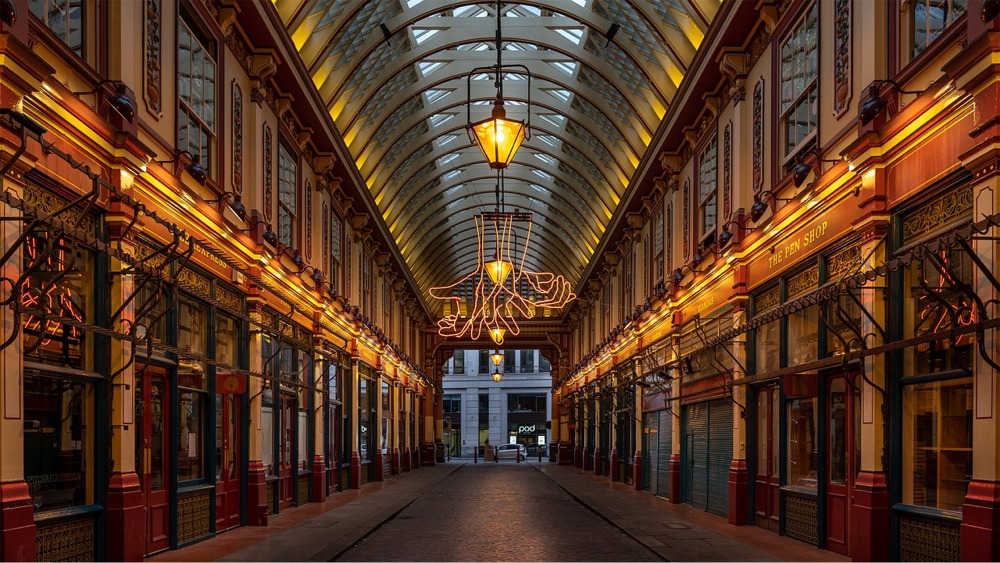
column 287, row 179
column 627, row 275
column 484, row 361
column 799, row 84
column 526, row 403
column 931, row 18
column 336, row 248
column 196, row 94
column 656, row 260
column 543, row 364
column 458, row 362
column 64, row 18
column 58, row 442
column 527, row 361
column 708, row 180
column 452, row 404
column 508, row 361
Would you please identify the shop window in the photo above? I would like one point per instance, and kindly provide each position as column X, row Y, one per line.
column 47, row 340
column 934, row 305
column 58, row 442
column 196, row 90
column 767, row 347
column 190, row 453
column 803, row 330
column 267, row 400
column 839, row 332
column 386, row 417
column 799, row 110
column 192, row 338
column 802, row 448
column 930, row 18
column 364, row 413
column 227, row 340
column 708, row 179
column 287, row 210
column 937, row 443
column 65, row 18
column 304, row 367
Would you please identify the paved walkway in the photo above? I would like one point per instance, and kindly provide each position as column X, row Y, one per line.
column 324, row 532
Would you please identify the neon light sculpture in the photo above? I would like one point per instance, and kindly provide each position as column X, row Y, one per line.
column 496, row 300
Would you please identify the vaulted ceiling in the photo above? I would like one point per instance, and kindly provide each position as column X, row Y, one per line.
column 401, row 106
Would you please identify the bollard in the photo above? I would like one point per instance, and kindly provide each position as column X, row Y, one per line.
column 539, row 454
column 517, row 455
column 475, row 454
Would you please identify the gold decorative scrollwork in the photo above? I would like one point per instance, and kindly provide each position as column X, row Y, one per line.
column 803, row 282
column 938, row 213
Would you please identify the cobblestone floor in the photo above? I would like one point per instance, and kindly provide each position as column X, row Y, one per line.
column 505, row 512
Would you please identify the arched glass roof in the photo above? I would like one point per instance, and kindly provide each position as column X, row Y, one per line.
column 400, row 104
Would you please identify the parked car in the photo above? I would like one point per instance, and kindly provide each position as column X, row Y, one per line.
column 512, row 451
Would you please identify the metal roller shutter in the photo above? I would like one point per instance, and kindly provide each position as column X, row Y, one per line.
column 694, row 455
column 664, row 450
column 720, row 455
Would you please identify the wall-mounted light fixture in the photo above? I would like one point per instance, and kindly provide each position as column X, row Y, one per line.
column 875, row 103
column 194, row 168
column 8, row 12
column 726, row 235
column 990, row 10
column 235, row 205
column 119, row 101
column 760, row 203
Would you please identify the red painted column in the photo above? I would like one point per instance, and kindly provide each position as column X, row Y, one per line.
column 597, row 461
column 738, row 491
column 869, row 539
column 126, row 518
column 674, row 470
column 637, row 470
column 614, row 473
column 980, row 531
column 395, row 461
column 379, row 465
column 407, row 460
column 257, row 508
column 428, row 453
column 566, row 453
column 577, row 459
column 355, row 470
column 17, row 522
column 318, row 479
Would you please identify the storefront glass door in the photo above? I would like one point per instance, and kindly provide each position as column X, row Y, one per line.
column 766, row 475
column 227, row 461
column 154, row 459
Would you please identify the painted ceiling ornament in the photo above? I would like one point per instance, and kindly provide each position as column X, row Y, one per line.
column 499, row 291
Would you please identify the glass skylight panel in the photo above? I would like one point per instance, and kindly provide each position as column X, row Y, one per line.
column 574, row 34
column 541, row 174
column 421, row 35
column 539, row 189
column 545, row 158
column 466, row 11
column 435, row 95
column 550, row 140
column 568, row 67
column 445, row 139
column 440, row 118
column 482, row 76
column 554, row 118
column 449, row 175
column 452, row 189
column 412, row 3
column 447, row 158
column 426, row 69
column 560, row 94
